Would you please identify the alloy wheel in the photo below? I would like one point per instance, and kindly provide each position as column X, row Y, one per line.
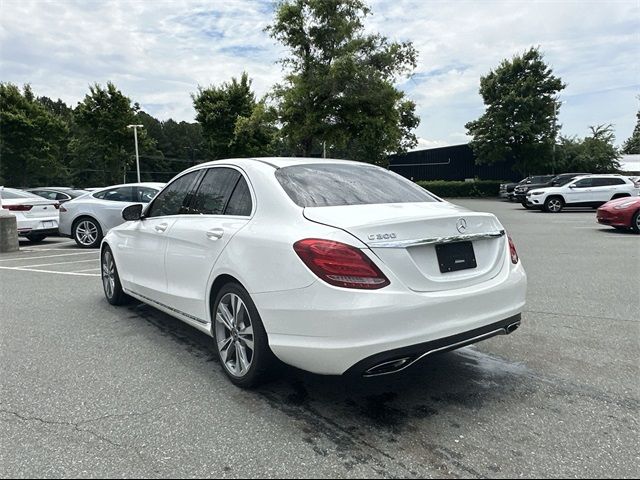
column 108, row 274
column 86, row 232
column 234, row 335
column 554, row 205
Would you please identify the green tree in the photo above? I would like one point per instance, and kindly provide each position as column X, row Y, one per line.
column 31, row 139
column 219, row 109
column 596, row 153
column 339, row 89
column 520, row 119
column 632, row 145
column 103, row 146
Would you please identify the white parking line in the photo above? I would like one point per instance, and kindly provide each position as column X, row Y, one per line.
column 56, row 263
column 89, row 269
column 47, row 256
column 51, row 271
column 51, row 246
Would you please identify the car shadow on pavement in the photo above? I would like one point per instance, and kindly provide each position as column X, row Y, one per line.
column 345, row 413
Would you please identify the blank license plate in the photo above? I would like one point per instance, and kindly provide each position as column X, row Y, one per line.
column 48, row 224
column 456, row 256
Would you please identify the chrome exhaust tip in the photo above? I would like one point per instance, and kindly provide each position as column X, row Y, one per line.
column 391, row 366
column 513, row 327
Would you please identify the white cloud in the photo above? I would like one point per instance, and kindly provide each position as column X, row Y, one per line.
column 158, row 52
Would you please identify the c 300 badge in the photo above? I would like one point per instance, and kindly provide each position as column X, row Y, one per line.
column 382, row 236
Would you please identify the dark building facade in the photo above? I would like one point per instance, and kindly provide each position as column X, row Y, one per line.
column 456, row 162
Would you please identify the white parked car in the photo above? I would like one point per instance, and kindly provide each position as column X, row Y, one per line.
column 36, row 217
column 331, row 266
column 88, row 218
column 584, row 191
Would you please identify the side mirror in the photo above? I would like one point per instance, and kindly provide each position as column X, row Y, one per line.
column 132, row 212
column 573, row 186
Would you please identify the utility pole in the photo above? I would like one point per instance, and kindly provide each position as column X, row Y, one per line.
column 135, row 136
column 555, row 112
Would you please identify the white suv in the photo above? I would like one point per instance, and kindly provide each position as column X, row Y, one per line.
column 583, row 191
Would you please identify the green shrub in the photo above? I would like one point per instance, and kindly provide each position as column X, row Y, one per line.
column 477, row 189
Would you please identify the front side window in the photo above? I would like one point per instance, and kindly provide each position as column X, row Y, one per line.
column 145, row 194
column 172, row 199
column 334, row 184
column 584, row 183
column 214, row 191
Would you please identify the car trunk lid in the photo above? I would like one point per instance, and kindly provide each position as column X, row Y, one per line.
column 409, row 237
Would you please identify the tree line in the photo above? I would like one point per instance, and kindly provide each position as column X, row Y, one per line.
column 337, row 98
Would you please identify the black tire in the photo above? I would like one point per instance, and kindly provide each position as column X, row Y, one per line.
column 111, row 279
column 86, row 232
column 635, row 226
column 262, row 359
column 526, row 205
column 553, row 204
column 36, row 238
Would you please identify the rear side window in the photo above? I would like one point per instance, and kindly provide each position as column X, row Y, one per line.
column 171, row 200
column 614, row 181
column 240, row 201
column 119, row 194
column 13, row 195
column 214, row 191
column 334, row 184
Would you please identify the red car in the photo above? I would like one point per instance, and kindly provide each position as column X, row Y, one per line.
column 621, row 213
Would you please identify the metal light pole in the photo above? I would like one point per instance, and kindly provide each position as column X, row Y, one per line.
column 555, row 110
column 135, row 136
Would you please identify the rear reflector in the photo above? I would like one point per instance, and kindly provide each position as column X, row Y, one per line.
column 18, row 208
column 512, row 249
column 340, row 264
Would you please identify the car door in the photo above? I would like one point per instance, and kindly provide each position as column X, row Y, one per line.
column 221, row 206
column 601, row 191
column 579, row 191
column 108, row 210
column 143, row 244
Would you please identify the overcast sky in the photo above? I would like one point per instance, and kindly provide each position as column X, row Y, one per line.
column 158, row 52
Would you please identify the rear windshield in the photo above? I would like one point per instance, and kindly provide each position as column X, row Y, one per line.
column 14, row 194
column 76, row 193
column 334, row 184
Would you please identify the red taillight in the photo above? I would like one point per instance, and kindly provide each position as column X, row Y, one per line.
column 61, row 208
column 512, row 249
column 18, row 208
column 340, row 264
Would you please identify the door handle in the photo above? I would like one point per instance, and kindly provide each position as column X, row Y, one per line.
column 215, row 233
column 161, row 228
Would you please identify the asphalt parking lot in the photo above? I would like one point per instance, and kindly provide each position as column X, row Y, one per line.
column 88, row 389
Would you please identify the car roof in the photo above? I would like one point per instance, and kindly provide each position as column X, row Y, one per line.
column 281, row 162
column 157, row 185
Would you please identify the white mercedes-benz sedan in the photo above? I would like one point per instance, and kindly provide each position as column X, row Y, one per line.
column 88, row 218
column 332, row 266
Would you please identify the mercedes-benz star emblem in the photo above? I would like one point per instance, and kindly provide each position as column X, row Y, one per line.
column 461, row 225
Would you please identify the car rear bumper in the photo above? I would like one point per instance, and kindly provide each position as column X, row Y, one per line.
column 330, row 331
column 40, row 226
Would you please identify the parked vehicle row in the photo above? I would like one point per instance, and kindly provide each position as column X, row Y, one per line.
column 82, row 215
column 507, row 190
column 582, row 191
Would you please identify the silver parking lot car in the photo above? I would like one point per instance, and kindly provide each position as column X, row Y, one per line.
column 88, row 218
